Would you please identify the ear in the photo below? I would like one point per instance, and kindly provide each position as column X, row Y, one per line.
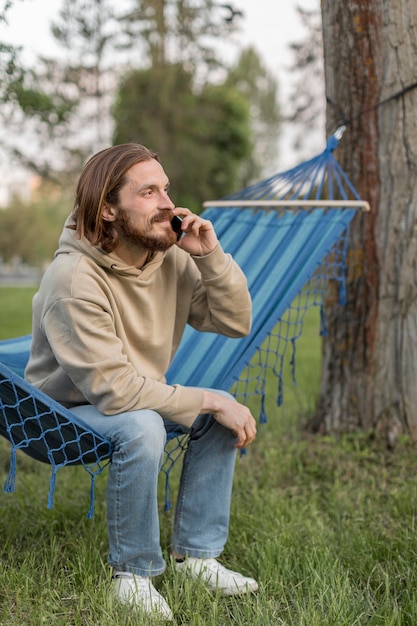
column 109, row 213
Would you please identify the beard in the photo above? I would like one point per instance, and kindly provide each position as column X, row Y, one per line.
column 143, row 237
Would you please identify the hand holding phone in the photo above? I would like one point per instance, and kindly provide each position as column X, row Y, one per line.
column 176, row 226
column 195, row 234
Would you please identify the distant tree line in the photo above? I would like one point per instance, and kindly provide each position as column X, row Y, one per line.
column 152, row 71
column 148, row 71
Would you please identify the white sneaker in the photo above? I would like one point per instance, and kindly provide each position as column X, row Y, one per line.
column 217, row 577
column 140, row 592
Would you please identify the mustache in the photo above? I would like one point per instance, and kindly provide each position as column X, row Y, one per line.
column 162, row 216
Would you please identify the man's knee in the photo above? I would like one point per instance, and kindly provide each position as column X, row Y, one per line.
column 143, row 430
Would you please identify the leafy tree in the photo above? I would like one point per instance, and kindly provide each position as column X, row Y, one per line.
column 178, row 40
column 89, row 30
column 30, row 111
column 62, row 106
column 259, row 87
column 9, row 62
column 202, row 137
column 180, row 31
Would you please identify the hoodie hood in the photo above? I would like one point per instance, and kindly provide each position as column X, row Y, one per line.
column 70, row 243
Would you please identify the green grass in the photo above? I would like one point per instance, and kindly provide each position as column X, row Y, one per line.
column 327, row 526
column 15, row 311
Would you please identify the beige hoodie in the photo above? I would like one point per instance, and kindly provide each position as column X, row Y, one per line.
column 105, row 333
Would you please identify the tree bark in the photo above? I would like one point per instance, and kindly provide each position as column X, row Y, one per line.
column 369, row 369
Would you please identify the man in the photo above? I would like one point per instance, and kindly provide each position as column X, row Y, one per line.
column 108, row 317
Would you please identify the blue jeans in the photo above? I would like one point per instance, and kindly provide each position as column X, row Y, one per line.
column 203, row 505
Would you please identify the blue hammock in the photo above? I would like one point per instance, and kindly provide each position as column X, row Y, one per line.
column 288, row 256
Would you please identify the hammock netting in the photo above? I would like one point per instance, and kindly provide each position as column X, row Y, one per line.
column 288, row 255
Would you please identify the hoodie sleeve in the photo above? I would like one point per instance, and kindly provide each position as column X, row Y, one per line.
column 221, row 301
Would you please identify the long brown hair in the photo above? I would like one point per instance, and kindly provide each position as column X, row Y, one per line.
column 100, row 181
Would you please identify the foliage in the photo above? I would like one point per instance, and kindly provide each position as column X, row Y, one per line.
column 63, row 103
column 189, row 119
column 180, row 31
column 90, row 31
column 202, row 137
column 259, row 87
column 9, row 59
column 12, row 71
column 30, row 233
column 29, row 108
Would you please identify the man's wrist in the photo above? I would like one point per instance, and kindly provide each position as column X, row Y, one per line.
column 211, row 402
column 202, row 256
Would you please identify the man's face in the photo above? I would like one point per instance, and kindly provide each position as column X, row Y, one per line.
column 144, row 212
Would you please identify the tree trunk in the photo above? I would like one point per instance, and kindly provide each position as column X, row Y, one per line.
column 369, row 370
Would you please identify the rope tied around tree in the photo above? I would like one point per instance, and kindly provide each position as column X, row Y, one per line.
column 346, row 121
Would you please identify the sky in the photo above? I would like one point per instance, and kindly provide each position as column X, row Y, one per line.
column 268, row 25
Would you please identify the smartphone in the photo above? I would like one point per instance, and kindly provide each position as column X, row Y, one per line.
column 176, row 225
